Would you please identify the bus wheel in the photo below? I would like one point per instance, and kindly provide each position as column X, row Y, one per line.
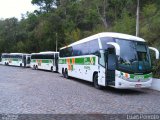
column 20, row 65
column 36, row 67
column 66, row 74
column 63, row 73
column 52, row 69
column 95, row 82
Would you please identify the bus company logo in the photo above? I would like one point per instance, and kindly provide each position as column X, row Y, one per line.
column 91, row 60
column 86, row 62
column 138, row 77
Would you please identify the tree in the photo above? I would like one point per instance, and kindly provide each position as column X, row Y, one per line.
column 45, row 5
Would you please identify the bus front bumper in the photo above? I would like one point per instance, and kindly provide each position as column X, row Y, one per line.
column 122, row 84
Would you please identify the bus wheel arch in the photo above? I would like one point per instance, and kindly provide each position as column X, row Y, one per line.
column 95, row 81
column 51, row 68
column 36, row 67
column 63, row 72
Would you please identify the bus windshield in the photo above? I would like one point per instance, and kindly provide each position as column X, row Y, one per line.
column 134, row 56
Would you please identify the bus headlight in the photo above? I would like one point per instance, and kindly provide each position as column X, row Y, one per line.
column 124, row 76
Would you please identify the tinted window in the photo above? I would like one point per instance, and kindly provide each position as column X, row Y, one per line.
column 68, row 51
column 104, row 41
column 77, row 50
column 61, row 53
column 42, row 56
column 85, row 48
column 93, row 47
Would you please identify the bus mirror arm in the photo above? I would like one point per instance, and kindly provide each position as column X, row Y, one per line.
column 116, row 46
column 156, row 52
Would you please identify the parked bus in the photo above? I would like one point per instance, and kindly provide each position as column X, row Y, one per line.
column 109, row 59
column 16, row 59
column 45, row 61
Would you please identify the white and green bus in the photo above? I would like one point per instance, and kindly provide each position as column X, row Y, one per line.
column 109, row 59
column 16, row 59
column 45, row 61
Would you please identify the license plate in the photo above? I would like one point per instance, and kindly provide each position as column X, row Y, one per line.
column 138, row 85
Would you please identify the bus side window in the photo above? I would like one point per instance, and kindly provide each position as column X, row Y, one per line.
column 94, row 47
column 28, row 59
column 77, row 50
column 85, row 48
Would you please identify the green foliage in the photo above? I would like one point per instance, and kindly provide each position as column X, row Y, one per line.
column 156, row 69
column 70, row 20
column 125, row 25
column 45, row 5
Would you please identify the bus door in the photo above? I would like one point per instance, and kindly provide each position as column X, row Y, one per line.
column 110, row 66
column 28, row 60
column 24, row 60
column 56, row 61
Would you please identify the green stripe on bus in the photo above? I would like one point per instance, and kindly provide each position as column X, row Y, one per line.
column 133, row 76
column 62, row 61
column 46, row 61
column 79, row 61
column 43, row 61
column 14, row 59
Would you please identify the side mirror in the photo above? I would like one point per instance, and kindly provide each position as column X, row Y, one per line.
column 156, row 52
column 98, row 54
column 116, row 46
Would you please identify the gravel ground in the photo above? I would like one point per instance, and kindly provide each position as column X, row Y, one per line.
column 23, row 90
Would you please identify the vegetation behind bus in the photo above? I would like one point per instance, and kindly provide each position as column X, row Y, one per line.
column 72, row 20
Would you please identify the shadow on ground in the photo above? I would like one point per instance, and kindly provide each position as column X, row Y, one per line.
column 112, row 90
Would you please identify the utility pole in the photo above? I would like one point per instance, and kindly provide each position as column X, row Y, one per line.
column 137, row 19
column 56, row 43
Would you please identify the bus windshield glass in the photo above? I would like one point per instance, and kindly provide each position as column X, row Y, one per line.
column 134, row 56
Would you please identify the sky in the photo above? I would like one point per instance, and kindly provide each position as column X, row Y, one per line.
column 14, row 8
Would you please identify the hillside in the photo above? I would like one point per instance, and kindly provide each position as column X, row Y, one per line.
column 70, row 20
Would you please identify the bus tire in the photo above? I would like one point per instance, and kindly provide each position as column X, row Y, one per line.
column 21, row 65
column 66, row 74
column 63, row 73
column 36, row 67
column 52, row 69
column 95, row 82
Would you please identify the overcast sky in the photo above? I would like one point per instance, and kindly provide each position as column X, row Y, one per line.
column 14, row 8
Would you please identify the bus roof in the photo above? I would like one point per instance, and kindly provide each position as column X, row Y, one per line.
column 16, row 53
column 107, row 34
column 19, row 54
column 49, row 52
column 46, row 52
